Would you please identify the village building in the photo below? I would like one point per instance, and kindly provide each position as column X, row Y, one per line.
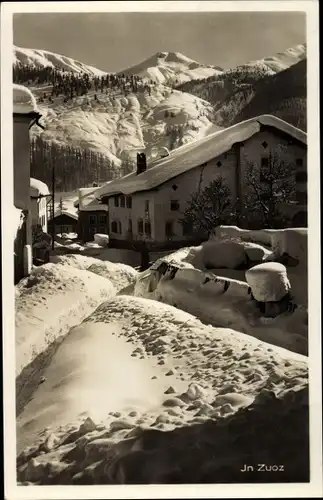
column 25, row 115
column 93, row 215
column 39, row 194
column 145, row 207
column 64, row 222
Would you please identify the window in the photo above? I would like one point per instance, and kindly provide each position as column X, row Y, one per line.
column 122, row 201
column 169, row 229
column 116, row 201
column 129, row 202
column 147, row 206
column 103, row 219
column 102, row 229
column 147, row 228
column 264, row 169
column 114, row 227
column 130, row 225
column 140, row 226
column 92, row 219
column 299, row 162
column 174, row 205
column 219, row 164
column 264, row 161
column 93, row 230
column 301, row 176
column 174, row 187
column 264, row 144
column 119, row 227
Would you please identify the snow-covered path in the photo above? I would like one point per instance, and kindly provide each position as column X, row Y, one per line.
column 139, row 364
column 92, row 373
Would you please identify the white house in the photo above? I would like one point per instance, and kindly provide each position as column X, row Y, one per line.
column 25, row 115
column 147, row 205
column 39, row 194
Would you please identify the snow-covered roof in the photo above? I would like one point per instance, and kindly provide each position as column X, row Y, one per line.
column 196, row 153
column 59, row 212
column 24, row 101
column 88, row 202
column 38, row 188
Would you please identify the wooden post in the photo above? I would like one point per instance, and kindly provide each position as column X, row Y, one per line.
column 53, row 206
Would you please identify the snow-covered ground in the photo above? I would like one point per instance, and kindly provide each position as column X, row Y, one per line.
column 115, row 124
column 107, row 379
column 135, row 365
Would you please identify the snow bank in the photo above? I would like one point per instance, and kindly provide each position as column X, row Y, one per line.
column 214, row 254
column 24, row 101
column 188, row 373
column 268, row 281
column 120, row 275
column 222, row 301
column 49, row 302
column 289, row 241
column 101, row 239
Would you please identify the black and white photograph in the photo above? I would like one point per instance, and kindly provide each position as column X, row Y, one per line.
column 162, row 258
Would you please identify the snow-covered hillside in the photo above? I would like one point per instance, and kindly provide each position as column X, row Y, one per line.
column 115, row 124
column 44, row 58
column 280, row 61
column 172, row 68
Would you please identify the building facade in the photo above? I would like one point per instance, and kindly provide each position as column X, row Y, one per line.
column 153, row 215
column 39, row 195
column 63, row 223
column 25, row 114
column 93, row 216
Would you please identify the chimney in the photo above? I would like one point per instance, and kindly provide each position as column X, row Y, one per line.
column 141, row 163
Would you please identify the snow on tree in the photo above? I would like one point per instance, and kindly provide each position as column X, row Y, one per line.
column 269, row 186
column 208, row 208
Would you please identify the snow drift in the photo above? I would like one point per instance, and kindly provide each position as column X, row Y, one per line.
column 120, row 275
column 191, row 378
column 49, row 302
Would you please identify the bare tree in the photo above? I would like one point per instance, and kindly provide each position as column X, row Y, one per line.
column 208, row 208
column 269, row 187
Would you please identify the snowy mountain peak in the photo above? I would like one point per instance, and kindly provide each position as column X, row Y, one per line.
column 44, row 58
column 171, row 67
column 281, row 60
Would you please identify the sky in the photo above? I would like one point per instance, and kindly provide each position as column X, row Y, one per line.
column 116, row 41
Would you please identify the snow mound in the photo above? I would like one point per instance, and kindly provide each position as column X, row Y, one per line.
column 268, row 281
column 121, row 275
column 101, row 239
column 24, row 101
column 216, row 255
column 292, row 242
column 49, row 302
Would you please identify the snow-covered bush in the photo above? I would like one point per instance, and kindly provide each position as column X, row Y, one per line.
column 268, row 282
